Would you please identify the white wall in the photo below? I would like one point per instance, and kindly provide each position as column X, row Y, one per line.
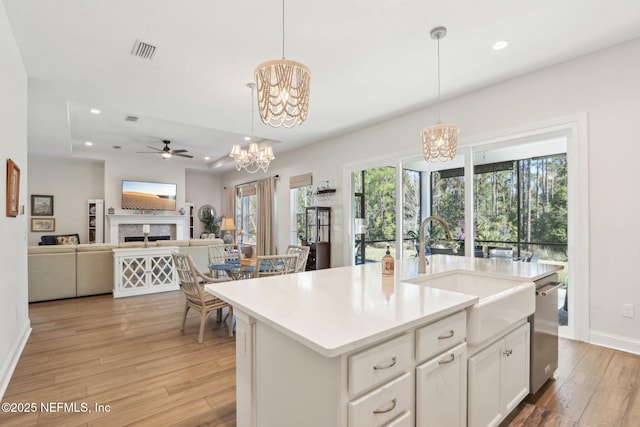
column 203, row 188
column 14, row 315
column 71, row 182
column 74, row 181
column 604, row 85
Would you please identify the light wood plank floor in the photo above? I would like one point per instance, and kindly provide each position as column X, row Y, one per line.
column 128, row 353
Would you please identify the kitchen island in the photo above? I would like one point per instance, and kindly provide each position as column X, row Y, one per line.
column 349, row 347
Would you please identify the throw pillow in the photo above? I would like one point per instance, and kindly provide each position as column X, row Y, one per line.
column 66, row 240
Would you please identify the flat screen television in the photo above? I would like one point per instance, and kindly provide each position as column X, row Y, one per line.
column 148, row 195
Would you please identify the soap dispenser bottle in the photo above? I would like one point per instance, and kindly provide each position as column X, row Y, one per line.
column 388, row 263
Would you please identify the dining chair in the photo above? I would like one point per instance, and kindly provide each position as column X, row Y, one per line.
column 275, row 265
column 500, row 252
column 192, row 283
column 221, row 254
column 303, row 254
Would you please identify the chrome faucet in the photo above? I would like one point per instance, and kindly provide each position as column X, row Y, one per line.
column 423, row 262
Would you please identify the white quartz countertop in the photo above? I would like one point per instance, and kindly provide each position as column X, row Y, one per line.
column 338, row 310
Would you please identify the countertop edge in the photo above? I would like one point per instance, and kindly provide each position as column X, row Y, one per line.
column 354, row 345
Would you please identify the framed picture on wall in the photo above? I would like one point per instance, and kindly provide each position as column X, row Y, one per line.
column 41, row 205
column 13, row 188
column 43, row 224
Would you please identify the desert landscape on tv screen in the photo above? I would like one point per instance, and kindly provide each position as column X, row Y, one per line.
column 151, row 196
column 135, row 200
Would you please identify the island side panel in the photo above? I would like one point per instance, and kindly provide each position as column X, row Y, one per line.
column 295, row 386
column 245, row 370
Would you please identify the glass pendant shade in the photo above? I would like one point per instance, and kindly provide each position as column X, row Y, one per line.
column 283, row 92
column 439, row 142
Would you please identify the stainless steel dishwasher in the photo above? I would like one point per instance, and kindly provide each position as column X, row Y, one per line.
column 544, row 332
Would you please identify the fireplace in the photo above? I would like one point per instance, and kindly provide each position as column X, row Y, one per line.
column 121, row 226
column 141, row 238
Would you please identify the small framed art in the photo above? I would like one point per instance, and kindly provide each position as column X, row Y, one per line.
column 43, row 224
column 41, row 205
column 13, row 188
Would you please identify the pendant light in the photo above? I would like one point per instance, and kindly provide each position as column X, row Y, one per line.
column 283, row 90
column 439, row 141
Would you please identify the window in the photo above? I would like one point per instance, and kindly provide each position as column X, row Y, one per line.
column 374, row 201
column 246, row 214
column 447, row 202
column 301, row 197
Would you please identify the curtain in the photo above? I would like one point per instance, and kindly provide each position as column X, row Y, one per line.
column 229, row 199
column 265, row 244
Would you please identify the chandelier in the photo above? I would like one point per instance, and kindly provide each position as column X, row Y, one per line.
column 283, row 90
column 253, row 159
column 439, row 141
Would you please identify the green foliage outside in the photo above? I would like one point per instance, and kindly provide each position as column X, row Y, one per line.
column 537, row 186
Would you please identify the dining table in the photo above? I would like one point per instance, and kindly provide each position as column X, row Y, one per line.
column 236, row 269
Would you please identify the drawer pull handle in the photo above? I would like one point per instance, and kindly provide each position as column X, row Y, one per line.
column 447, row 336
column 451, row 358
column 384, row 411
column 393, row 362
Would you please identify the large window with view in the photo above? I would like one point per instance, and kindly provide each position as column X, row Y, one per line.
column 520, row 211
column 374, row 202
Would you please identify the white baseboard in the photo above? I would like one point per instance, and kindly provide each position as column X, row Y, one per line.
column 615, row 342
column 11, row 362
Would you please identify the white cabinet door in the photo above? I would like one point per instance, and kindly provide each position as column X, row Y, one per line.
column 498, row 378
column 441, row 391
column 484, row 387
column 514, row 381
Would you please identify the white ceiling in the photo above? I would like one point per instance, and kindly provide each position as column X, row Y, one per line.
column 370, row 59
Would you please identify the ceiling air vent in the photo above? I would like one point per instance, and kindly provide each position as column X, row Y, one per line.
column 131, row 119
column 143, row 50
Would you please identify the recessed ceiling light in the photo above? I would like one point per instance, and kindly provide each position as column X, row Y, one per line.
column 247, row 138
column 207, row 158
column 500, row 44
column 88, row 143
column 95, row 111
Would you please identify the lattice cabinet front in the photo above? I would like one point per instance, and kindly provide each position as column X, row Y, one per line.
column 140, row 271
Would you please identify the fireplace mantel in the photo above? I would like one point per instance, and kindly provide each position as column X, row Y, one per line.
column 114, row 221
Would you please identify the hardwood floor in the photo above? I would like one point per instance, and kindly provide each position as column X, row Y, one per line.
column 596, row 386
column 129, row 354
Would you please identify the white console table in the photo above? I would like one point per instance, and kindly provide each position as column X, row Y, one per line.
column 139, row 271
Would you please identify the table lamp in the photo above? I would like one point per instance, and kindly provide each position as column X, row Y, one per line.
column 146, row 229
column 228, row 225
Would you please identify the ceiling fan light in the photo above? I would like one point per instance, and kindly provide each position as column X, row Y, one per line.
column 166, row 155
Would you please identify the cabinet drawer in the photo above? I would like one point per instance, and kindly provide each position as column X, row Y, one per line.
column 382, row 404
column 379, row 363
column 440, row 336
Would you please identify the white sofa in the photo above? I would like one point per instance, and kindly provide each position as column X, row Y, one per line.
column 67, row 271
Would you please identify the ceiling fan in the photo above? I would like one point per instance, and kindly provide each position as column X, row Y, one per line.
column 166, row 152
